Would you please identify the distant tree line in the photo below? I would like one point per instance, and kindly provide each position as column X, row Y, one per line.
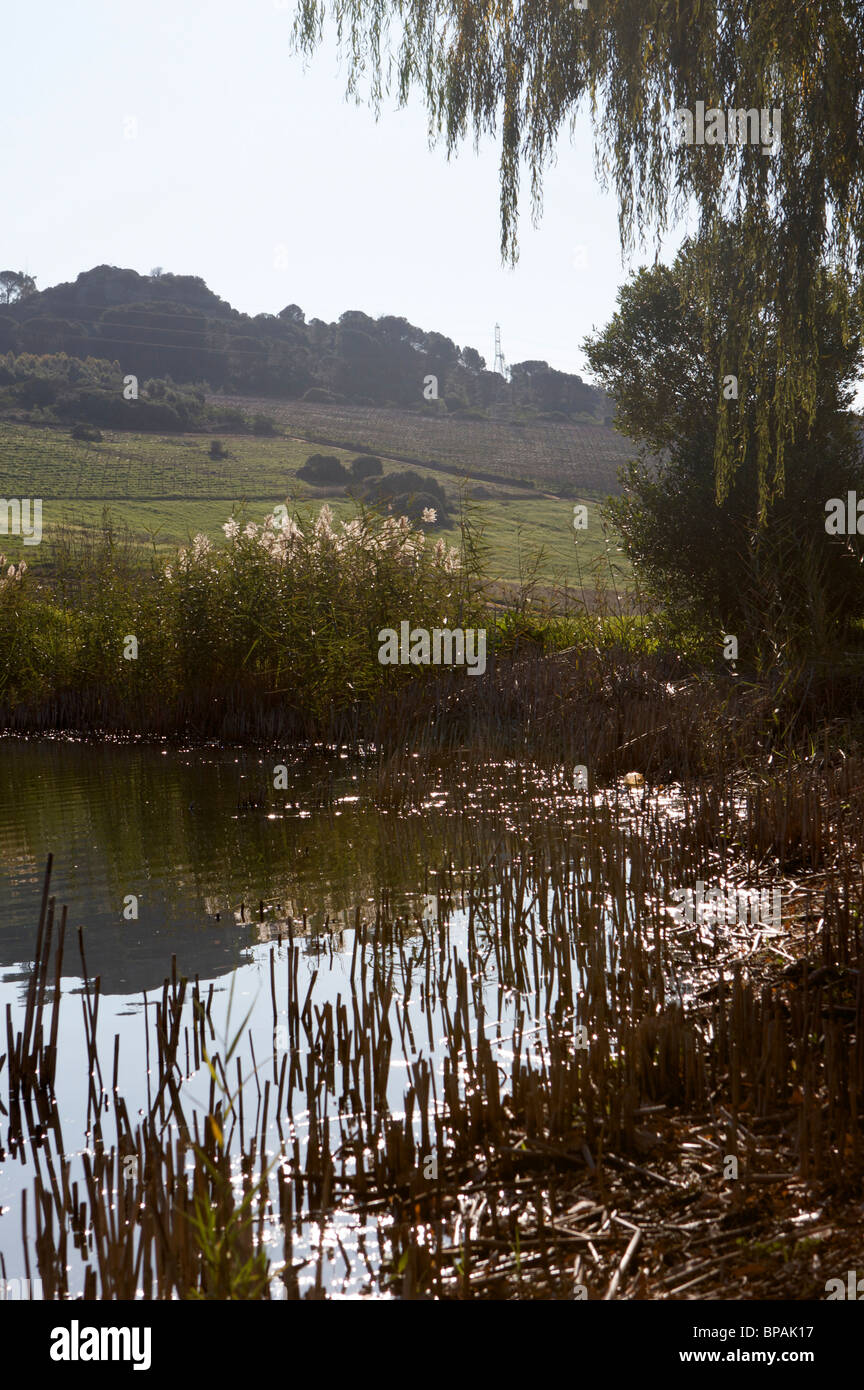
column 90, row 392
column 174, row 327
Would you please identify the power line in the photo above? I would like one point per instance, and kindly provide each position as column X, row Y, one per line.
column 208, row 342
column 214, row 325
column 95, row 316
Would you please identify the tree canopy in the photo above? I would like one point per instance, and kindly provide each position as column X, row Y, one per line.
column 715, row 561
column 521, row 69
column 15, row 285
column 176, row 327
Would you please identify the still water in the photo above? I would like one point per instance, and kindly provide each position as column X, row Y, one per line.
column 194, row 853
column 160, row 852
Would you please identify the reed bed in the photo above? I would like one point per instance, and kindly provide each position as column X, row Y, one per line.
column 534, row 1093
column 273, row 638
column 602, row 709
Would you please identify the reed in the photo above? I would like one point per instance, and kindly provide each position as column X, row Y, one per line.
column 274, row 637
column 579, row 1066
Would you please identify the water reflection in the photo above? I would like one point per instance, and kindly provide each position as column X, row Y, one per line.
column 217, row 860
column 198, row 844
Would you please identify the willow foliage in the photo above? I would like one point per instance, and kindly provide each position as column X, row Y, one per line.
column 520, row 70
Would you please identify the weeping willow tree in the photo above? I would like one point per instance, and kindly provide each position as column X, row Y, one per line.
column 520, row 70
column 792, row 586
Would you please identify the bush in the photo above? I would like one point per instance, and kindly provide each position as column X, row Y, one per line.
column 227, row 418
column 217, row 449
column 262, row 424
column 410, row 482
column 409, row 494
column 322, row 470
column 415, row 504
column 87, row 432
column 39, row 390
column 111, row 411
column 366, row 466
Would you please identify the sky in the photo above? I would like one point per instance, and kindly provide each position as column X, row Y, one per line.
column 187, row 134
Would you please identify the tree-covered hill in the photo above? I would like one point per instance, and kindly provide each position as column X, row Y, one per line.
column 173, row 326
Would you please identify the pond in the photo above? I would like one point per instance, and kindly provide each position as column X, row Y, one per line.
column 254, row 871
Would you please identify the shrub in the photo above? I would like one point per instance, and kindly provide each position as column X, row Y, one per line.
column 227, row 418
column 409, row 482
column 409, row 494
column 111, row 411
column 366, row 466
column 264, row 425
column 420, row 507
column 39, row 390
column 322, row 470
column 90, row 433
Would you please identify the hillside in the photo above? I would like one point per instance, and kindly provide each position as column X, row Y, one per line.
column 167, row 489
column 573, row 460
column 275, row 389
column 175, row 327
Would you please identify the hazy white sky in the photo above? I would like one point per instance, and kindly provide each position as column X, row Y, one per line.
column 187, row 134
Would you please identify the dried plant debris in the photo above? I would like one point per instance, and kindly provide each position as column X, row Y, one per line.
column 562, row 1083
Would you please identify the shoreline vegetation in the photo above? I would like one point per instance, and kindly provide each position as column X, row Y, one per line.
column 684, row 1125
column 551, row 952
column 595, row 1171
column 678, row 1111
column 275, row 635
column 574, row 1171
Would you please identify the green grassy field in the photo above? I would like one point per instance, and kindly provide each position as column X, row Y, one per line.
column 549, row 452
column 168, row 488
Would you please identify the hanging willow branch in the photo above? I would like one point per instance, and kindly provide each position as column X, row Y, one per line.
column 521, row 69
